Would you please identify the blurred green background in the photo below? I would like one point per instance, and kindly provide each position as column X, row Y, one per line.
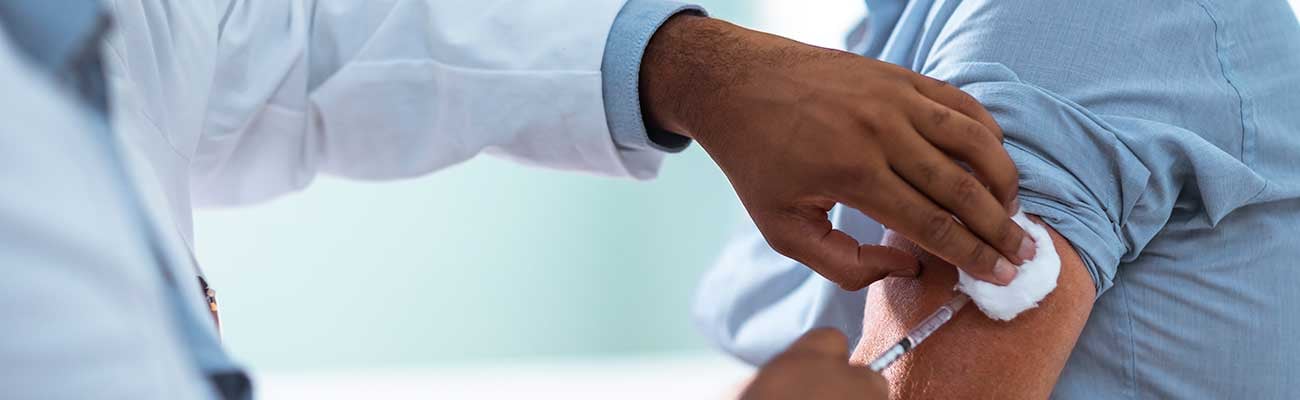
column 484, row 261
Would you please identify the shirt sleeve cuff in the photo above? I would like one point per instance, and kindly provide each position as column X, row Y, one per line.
column 621, row 69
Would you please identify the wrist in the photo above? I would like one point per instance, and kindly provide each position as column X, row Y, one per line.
column 687, row 66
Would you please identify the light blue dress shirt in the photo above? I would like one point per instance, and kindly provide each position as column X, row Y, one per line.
column 1162, row 139
column 62, row 40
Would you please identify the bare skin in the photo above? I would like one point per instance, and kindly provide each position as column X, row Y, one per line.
column 798, row 128
column 974, row 357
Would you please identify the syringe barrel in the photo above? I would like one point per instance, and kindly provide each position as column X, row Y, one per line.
column 941, row 316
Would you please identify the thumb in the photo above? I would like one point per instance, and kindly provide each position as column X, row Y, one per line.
column 808, row 237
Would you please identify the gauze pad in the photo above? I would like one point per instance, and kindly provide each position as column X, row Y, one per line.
column 1033, row 282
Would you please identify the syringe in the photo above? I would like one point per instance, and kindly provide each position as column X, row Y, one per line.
column 920, row 332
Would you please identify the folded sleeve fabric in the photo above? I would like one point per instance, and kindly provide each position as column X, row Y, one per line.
column 621, row 72
column 1105, row 165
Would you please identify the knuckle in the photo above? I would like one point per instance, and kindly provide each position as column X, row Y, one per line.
column 980, row 134
column 967, row 188
column 867, row 178
column 872, row 132
column 784, row 246
column 997, row 133
column 939, row 116
column 1009, row 235
column 877, row 124
column 981, row 257
column 849, row 178
column 780, row 237
column 928, row 172
column 965, row 101
column 870, row 115
column 940, row 227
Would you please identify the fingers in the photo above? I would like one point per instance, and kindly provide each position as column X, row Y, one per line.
column 806, row 235
column 822, row 341
column 914, row 215
column 966, row 140
column 885, row 256
column 939, row 178
column 952, row 97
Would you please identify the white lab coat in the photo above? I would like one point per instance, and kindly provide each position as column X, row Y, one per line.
column 226, row 102
column 233, row 102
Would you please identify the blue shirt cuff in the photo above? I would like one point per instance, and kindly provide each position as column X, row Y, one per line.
column 621, row 72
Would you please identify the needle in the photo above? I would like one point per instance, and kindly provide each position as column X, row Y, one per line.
column 920, row 332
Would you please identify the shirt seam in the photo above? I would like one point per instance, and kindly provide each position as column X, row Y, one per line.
column 162, row 133
column 1246, row 151
column 129, row 80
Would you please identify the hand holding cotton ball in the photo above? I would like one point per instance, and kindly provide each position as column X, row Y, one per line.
column 1036, row 278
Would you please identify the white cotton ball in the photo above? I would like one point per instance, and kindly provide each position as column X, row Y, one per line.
column 1033, row 282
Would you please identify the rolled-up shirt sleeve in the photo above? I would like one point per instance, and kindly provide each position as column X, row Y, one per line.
column 1094, row 125
column 1076, row 170
column 636, row 23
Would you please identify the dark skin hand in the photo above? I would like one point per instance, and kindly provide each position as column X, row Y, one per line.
column 798, row 128
column 816, row 367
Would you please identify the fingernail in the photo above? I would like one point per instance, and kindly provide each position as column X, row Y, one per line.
column 1004, row 271
column 1028, row 249
column 1013, row 207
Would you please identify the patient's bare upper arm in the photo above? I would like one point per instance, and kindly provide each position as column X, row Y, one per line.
column 974, row 357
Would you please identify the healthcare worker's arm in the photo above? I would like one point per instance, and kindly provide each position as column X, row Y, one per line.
column 798, row 129
column 389, row 89
column 973, row 356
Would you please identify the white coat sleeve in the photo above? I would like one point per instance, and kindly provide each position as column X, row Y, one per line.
column 387, row 89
